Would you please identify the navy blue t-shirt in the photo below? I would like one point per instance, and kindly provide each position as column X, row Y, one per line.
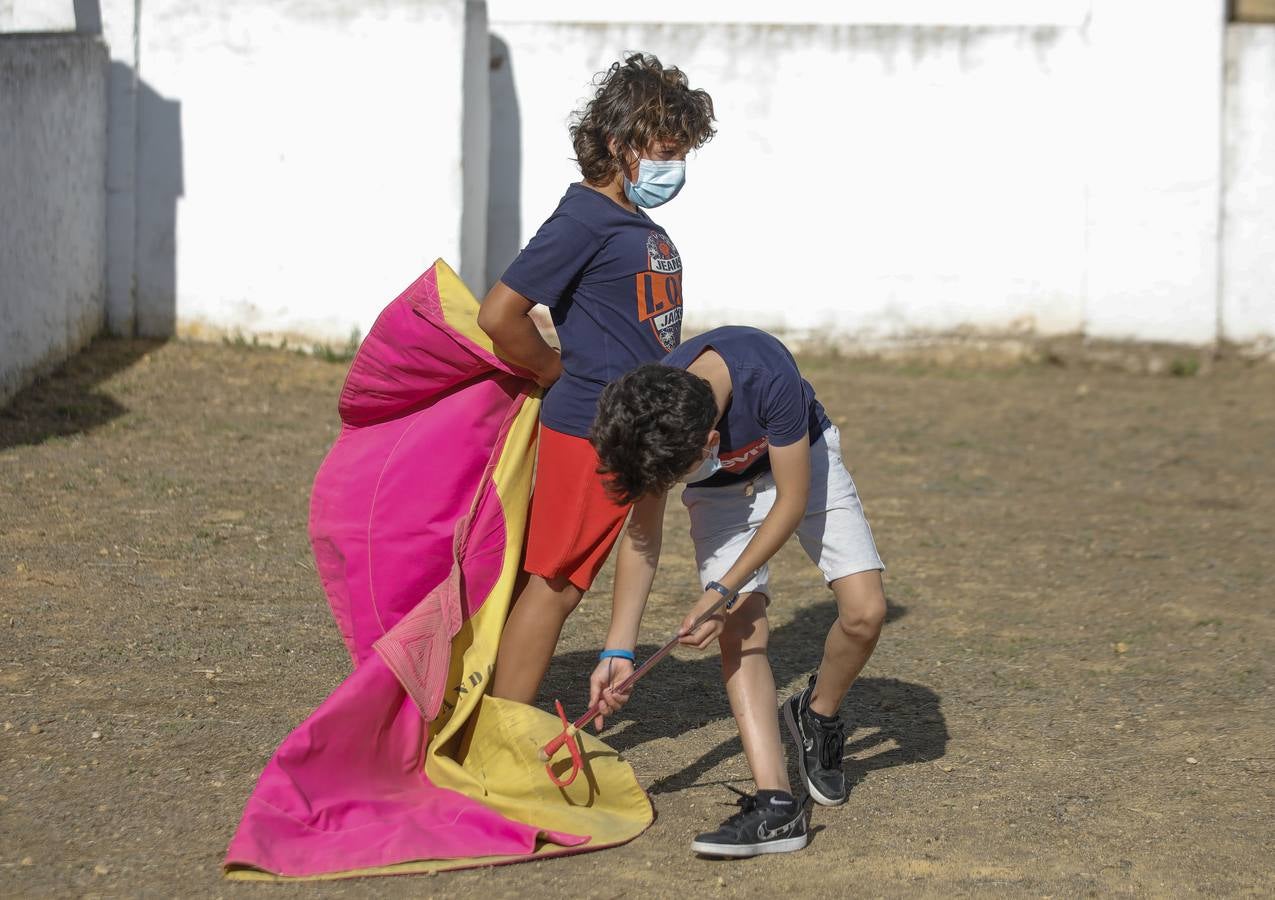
column 770, row 403
column 613, row 281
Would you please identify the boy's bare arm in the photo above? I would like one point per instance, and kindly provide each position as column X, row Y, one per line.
column 790, row 467
column 636, row 561
column 505, row 315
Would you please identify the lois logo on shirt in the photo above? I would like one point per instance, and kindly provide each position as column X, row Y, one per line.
column 659, row 291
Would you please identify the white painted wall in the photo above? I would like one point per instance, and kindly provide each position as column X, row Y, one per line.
column 1248, row 229
column 884, row 168
column 1155, row 130
column 979, row 166
column 36, row 16
column 52, row 201
column 298, row 164
column 802, row 12
column 867, row 181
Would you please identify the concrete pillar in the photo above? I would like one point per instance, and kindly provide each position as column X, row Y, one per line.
column 1248, row 227
column 119, row 27
column 475, row 147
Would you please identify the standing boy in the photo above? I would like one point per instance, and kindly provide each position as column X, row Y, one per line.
column 729, row 411
column 612, row 279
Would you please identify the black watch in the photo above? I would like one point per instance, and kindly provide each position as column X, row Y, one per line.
column 731, row 596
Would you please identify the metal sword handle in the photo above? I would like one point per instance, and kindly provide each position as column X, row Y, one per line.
column 569, row 728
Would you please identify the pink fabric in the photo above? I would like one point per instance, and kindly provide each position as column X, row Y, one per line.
column 376, row 551
column 409, row 537
column 344, row 791
column 421, row 411
column 416, row 649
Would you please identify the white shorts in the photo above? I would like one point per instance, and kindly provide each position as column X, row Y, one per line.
column 834, row 532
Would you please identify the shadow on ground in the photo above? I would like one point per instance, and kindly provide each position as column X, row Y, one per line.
column 68, row 401
column 902, row 722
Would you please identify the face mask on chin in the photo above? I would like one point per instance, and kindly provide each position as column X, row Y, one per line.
column 707, row 468
column 658, row 182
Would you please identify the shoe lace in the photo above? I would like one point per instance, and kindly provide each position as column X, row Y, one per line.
column 832, row 739
column 746, row 802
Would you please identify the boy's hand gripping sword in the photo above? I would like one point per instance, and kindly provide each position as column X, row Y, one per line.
column 570, row 728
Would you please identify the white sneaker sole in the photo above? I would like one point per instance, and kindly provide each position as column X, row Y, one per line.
column 791, row 721
column 738, row 851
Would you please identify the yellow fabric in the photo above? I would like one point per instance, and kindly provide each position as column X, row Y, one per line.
column 460, row 308
column 501, row 767
column 502, row 758
column 488, row 748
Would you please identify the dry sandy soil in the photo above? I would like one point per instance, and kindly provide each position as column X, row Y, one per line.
column 1073, row 697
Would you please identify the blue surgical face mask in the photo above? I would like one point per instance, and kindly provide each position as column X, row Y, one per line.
column 706, row 469
column 658, row 182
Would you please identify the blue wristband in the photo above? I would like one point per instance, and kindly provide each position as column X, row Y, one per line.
column 617, row 654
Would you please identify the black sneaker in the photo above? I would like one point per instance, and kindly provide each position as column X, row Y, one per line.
column 770, row 822
column 819, row 746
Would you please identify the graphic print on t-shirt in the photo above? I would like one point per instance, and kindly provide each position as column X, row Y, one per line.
column 738, row 460
column 659, row 290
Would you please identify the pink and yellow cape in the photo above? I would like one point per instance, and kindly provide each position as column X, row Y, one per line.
column 417, row 521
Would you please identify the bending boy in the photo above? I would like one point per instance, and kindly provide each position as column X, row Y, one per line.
column 729, row 412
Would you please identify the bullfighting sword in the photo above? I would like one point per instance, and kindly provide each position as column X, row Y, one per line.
column 569, row 728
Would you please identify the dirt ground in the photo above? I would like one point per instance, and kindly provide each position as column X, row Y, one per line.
column 1074, row 695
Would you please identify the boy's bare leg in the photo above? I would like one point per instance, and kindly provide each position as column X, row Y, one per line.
column 530, row 636
column 750, row 685
column 851, row 640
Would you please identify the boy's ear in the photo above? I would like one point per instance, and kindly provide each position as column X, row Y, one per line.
column 621, row 155
column 714, row 439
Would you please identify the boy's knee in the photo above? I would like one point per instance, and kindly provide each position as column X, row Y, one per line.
column 746, row 629
column 738, row 634
column 557, row 595
column 568, row 601
column 862, row 618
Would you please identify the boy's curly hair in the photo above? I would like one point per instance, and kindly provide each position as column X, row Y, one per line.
column 638, row 101
column 650, row 429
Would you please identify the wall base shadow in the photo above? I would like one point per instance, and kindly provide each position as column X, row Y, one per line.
column 902, row 722
column 67, row 401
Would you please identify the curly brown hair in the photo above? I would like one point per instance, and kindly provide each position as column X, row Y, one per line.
column 637, row 102
column 650, row 429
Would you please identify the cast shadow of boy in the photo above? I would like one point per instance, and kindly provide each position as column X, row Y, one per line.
column 893, row 722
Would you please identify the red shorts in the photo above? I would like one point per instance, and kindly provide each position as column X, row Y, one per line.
column 573, row 523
